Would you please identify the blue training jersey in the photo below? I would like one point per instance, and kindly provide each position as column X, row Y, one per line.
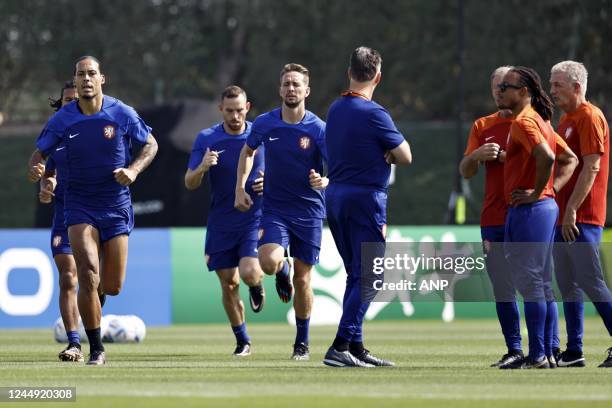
column 292, row 150
column 96, row 145
column 222, row 177
column 358, row 134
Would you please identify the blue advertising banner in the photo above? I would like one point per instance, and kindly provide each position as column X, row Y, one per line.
column 29, row 289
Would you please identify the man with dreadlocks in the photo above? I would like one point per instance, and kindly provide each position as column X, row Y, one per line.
column 532, row 212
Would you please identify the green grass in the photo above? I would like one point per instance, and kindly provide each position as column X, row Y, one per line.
column 439, row 364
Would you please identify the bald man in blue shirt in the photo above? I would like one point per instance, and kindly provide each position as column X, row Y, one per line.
column 98, row 133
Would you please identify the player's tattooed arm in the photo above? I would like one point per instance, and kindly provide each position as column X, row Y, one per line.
column 126, row 176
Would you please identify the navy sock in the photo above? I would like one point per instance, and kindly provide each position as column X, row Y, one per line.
column 551, row 330
column 284, row 272
column 573, row 323
column 302, row 326
column 95, row 341
column 241, row 333
column 605, row 311
column 510, row 322
column 535, row 317
column 340, row 344
column 356, row 348
column 73, row 337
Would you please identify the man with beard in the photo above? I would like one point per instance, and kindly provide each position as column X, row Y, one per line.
column 293, row 208
column 98, row 132
column 231, row 235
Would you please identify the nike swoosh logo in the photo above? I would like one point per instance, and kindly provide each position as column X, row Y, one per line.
column 73, row 136
column 220, row 151
column 60, row 148
column 273, row 139
column 490, row 137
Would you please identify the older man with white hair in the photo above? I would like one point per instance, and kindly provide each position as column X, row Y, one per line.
column 582, row 206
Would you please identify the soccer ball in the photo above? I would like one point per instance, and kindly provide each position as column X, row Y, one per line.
column 125, row 329
column 59, row 331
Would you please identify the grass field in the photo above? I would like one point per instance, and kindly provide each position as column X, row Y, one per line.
column 439, row 364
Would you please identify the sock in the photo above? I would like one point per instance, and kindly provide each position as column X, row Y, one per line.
column 73, row 337
column 510, row 322
column 551, row 330
column 573, row 323
column 535, row 317
column 302, row 326
column 241, row 333
column 605, row 311
column 356, row 348
column 340, row 344
column 284, row 272
column 95, row 341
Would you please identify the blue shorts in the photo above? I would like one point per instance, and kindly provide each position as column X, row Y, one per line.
column 109, row 223
column 302, row 235
column 224, row 249
column 60, row 244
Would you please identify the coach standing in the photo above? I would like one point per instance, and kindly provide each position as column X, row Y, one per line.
column 362, row 142
column 582, row 208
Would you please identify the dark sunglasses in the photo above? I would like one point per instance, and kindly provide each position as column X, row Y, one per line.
column 504, row 85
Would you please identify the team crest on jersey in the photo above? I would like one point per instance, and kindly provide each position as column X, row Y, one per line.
column 568, row 133
column 57, row 241
column 109, row 131
column 304, row 142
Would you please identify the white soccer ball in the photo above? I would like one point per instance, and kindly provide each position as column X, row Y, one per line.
column 140, row 328
column 59, row 331
column 125, row 329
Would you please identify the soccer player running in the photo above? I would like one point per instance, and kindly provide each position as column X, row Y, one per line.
column 293, row 208
column 231, row 235
column 53, row 184
column 582, row 209
column 98, row 132
column 362, row 142
column 532, row 213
